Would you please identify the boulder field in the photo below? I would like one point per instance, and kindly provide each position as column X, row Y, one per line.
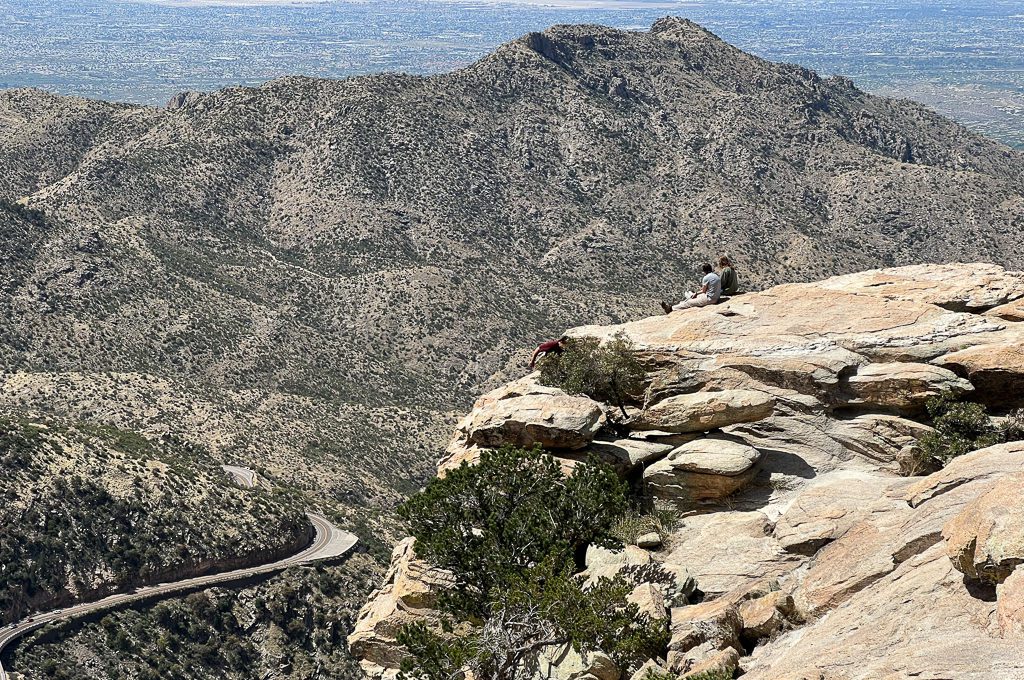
column 783, row 426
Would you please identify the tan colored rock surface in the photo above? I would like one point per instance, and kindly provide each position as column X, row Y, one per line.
column 651, row 601
column 605, row 563
column 802, row 321
column 649, row 541
column 883, row 439
column 562, row 662
column 903, row 386
column 978, row 466
column 704, row 469
column 917, row 622
column 723, row 663
column 996, row 369
column 724, row 551
column 695, row 624
column 763, row 616
column 826, row 509
column 1010, row 606
column 410, row 590
column 553, row 421
column 1011, row 311
column 705, row 411
column 958, row 287
column 650, row 670
column 631, row 452
column 986, row 540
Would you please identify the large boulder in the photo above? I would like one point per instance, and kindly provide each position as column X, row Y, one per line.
column 525, row 413
column 409, row 594
column 554, row 421
column 562, row 662
column 902, row 386
column 705, row 469
column 986, row 540
column 705, row 411
column 995, row 368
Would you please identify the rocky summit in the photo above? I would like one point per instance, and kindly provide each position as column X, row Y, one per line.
column 785, row 425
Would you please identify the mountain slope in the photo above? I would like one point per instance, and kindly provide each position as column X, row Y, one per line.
column 311, row 277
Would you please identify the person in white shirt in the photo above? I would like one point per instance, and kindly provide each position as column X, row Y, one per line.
column 709, row 293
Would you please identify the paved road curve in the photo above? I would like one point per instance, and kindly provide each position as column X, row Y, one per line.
column 328, row 543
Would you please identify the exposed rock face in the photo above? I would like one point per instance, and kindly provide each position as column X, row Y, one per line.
column 547, row 417
column 704, row 469
column 997, row 368
column 704, row 411
column 1011, row 606
column 408, row 595
column 779, row 421
column 902, row 385
column 986, row 540
column 564, row 663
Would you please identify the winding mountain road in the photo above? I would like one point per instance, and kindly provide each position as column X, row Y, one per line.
column 330, row 542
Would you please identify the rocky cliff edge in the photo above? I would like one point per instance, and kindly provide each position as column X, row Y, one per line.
column 784, row 425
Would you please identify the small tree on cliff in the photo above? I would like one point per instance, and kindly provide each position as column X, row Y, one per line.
column 606, row 372
column 512, row 530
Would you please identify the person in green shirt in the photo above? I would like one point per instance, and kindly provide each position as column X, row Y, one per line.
column 730, row 282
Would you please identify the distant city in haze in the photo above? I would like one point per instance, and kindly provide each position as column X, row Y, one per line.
column 965, row 58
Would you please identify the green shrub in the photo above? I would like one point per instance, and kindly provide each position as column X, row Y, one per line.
column 512, row 530
column 608, row 372
column 959, row 427
column 661, row 519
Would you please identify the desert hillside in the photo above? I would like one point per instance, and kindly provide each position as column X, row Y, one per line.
column 314, row 278
column 312, row 275
column 842, row 461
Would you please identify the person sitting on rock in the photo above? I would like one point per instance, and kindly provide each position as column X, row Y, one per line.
column 709, row 293
column 549, row 347
column 730, row 282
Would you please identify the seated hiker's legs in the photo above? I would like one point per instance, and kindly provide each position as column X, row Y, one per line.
column 701, row 300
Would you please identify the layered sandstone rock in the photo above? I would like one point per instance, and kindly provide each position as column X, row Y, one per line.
column 409, row 595
column 704, row 469
column 778, row 423
column 704, row 411
column 985, row 540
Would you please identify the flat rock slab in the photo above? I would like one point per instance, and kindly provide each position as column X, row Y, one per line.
column 1010, row 608
column 631, row 452
column 729, row 550
column 978, row 466
column 996, row 368
column 552, row 421
column 958, row 287
column 829, row 507
column 919, row 621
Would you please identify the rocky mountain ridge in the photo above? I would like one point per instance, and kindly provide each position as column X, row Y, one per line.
column 784, row 425
column 330, row 263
